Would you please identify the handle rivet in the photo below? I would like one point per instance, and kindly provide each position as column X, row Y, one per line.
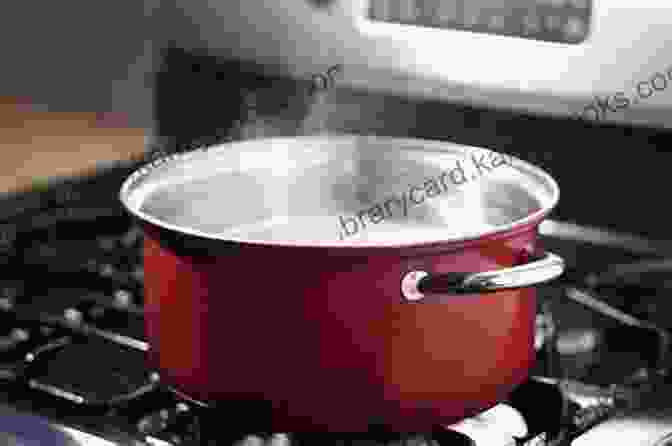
column 409, row 285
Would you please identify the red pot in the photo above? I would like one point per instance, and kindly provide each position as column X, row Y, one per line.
column 414, row 321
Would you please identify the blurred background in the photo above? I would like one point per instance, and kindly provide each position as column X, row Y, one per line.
column 75, row 85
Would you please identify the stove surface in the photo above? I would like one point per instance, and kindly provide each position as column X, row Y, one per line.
column 72, row 344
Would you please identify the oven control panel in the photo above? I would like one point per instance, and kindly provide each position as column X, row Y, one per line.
column 597, row 61
column 565, row 21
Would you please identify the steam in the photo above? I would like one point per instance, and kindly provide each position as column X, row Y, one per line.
column 289, row 107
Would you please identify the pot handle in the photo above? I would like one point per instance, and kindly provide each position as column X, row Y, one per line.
column 416, row 285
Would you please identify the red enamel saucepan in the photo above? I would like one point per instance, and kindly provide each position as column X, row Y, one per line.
column 334, row 283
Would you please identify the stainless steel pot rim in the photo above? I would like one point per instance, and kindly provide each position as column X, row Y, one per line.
column 133, row 204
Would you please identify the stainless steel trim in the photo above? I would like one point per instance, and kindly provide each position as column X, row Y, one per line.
column 416, row 284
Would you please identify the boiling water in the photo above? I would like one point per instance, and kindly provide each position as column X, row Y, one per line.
column 329, row 199
column 264, row 218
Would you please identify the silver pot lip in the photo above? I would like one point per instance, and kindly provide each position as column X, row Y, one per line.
column 133, row 181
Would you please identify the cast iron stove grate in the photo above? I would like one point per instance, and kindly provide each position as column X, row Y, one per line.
column 72, row 345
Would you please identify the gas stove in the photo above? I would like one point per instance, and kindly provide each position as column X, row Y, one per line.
column 72, row 346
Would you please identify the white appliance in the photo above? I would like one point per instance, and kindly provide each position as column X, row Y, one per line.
column 602, row 60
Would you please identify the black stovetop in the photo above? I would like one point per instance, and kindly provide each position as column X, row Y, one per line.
column 72, row 346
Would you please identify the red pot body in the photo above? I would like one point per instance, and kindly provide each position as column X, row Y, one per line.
column 323, row 336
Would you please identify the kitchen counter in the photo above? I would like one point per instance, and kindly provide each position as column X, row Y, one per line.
column 37, row 144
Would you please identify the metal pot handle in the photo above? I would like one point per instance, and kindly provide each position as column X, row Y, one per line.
column 416, row 285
